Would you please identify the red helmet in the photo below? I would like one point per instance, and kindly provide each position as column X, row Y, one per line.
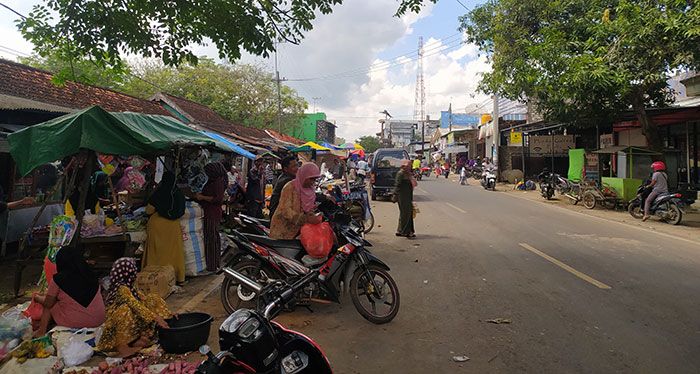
column 658, row 166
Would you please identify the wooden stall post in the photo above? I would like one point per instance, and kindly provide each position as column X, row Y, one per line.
column 83, row 189
column 20, row 263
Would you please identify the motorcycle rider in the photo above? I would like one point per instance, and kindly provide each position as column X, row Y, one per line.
column 362, row 169
column 658, row 184
column 463, row 175
column 297, row 204
column 487, row 166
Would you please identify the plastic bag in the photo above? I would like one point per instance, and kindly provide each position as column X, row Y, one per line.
column 317, row 239
column 76, row 350
column 34, row 311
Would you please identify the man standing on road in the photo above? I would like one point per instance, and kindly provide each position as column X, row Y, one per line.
column 659, row 185
column 289, row 172
column 403, row 194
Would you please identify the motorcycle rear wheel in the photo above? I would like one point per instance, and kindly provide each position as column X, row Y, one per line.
column 674, row 215
column 361, row 287
column 233, row 295
column 589, row 200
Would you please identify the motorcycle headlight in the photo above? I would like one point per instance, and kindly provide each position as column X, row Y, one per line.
column 235, row 320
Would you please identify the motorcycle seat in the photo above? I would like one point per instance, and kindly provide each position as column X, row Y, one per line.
column 312, row 261
column 287, row 248
column 662, row 196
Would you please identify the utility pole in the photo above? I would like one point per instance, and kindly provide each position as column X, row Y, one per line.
column 315, row 99
column 279, row 93
column 496, row 134
column 450, row 119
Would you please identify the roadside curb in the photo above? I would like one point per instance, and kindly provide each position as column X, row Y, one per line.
column 653, row 230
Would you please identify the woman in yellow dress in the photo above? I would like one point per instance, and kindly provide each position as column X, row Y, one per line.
column 131, row 315
column 164, row 244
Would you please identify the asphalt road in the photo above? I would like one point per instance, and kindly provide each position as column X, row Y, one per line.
column 583, row 295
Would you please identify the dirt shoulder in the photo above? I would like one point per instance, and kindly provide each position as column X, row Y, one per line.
column 688, row 229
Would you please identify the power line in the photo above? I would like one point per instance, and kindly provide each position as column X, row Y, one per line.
column 436, row 51
column 13, row 11
column 462, row 4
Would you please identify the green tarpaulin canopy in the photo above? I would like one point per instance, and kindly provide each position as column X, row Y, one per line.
column 98, row 130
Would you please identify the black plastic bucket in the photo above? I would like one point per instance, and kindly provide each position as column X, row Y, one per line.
column 186, row 333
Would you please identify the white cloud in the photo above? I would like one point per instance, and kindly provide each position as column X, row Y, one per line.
column 343, row 49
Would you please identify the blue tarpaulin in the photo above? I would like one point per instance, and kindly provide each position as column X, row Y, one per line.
column 234, row 147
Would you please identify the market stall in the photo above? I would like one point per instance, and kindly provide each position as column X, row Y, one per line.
column 623, row 168
column 94, row 145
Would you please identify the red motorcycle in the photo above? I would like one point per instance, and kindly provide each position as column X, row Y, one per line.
column 352, row 269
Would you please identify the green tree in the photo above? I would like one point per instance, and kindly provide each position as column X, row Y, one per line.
column 585, row 61
column 65, row 68
column 241, row 93
column 167, row 30
column 369, row 143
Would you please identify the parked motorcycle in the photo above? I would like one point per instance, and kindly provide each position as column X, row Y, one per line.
column 351, row 268
column 250, row 342
column 547, row 187
column 488, row 180
column 425, row 170
column 668, row 207
column 356, row 203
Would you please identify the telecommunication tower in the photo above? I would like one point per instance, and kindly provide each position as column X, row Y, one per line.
column 419, row 105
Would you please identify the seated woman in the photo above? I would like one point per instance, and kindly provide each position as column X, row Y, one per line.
column 73, row 298
column 297, row 204
column 131, row 315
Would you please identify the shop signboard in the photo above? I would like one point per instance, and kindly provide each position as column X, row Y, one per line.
column 591, row 166
column 516, row 139
column 541, row 145
column 606, row 140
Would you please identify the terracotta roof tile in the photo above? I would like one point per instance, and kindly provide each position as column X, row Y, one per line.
column 34, row 84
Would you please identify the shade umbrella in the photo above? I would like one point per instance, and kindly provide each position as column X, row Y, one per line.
column 310, row 146
column 351, row 146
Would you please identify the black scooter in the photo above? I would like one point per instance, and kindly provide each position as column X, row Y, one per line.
column 251, row 343
column 668, row 207
column 547, row 187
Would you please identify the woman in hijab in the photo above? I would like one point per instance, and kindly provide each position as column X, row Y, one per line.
column 297, row 204
column 403, row 194
column 131, row 315
column 73, row 298
column 164, row 244
column 123, row 182
column 211, row 199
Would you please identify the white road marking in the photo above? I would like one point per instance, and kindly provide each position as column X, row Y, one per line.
column 423, row 191
column 566, row 267
column 456, row 208
column 194, row 302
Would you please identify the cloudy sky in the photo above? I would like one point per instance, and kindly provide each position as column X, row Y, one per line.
column 358, row 61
